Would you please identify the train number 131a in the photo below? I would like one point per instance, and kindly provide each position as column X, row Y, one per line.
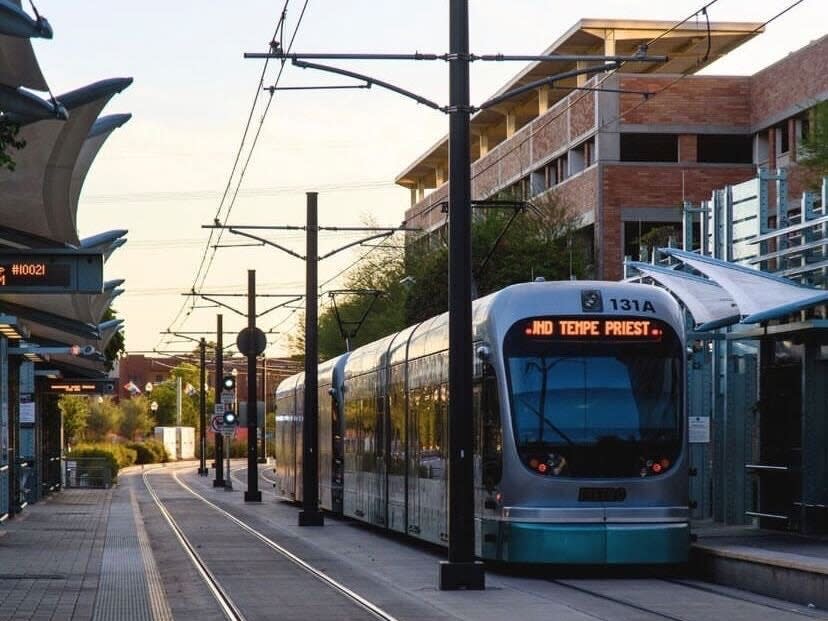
column 627, row 304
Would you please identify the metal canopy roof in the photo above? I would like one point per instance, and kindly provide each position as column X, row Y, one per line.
column 18, row 65
column 757, row 296
column 685, row 47
column 37, row 196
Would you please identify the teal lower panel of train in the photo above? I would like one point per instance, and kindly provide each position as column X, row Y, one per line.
column 586, row 544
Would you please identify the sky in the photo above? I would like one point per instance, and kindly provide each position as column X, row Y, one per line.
column 162, row 176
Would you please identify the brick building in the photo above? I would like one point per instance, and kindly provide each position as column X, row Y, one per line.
column 625, row 148
column 141, row 370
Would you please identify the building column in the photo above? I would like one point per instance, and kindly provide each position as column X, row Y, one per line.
column 484, row 143
column 413, row 192
column 440, row 175
column 543, row 99
column 420, row 190
column 511, row 124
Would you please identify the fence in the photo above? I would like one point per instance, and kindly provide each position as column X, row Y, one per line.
column 89, row 472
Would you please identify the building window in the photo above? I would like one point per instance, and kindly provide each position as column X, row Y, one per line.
column 649, row 148
column 783, row 143
column 580, row 157
column 724, row 149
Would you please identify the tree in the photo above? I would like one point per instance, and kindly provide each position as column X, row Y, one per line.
column 165, row 394
column 115, row 347
column 104, row 418
column 135, row 418
column 813, row 153
column 75, row 412
column 506, row 249
column 539, row 241
column 380, row 271
column 8, row 141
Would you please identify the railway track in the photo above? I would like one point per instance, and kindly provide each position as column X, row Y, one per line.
column 232, row 609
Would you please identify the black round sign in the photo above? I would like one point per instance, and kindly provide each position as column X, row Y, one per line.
column 251, row 341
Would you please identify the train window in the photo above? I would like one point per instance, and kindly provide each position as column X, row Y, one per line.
column 595, row 408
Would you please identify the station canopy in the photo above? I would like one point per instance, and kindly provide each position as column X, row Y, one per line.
column 39, row 199
column 728, row 293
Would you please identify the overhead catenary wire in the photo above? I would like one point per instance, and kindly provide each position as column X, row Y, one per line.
column 205, row 264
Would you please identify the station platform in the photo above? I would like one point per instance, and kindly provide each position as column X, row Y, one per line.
column 110, row 554
column 770, row 562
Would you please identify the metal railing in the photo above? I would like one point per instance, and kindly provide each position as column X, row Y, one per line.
column 88, row 472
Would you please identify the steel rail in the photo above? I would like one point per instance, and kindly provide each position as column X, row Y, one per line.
column 225, row 602
column 360, row 601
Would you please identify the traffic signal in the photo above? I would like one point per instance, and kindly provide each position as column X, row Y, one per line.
column 229, row 417
column 229, row 383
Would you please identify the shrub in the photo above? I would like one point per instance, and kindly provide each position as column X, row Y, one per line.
column 117, row 456
column 149, row 452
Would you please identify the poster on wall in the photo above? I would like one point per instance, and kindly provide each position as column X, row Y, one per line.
column 27, row 410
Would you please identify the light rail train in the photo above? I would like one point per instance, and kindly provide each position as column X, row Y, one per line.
column 579, row 419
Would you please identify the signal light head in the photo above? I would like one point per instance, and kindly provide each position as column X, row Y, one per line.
column 229, row 382
column 229, row 418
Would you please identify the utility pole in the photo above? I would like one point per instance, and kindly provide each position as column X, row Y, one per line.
column 461, row 570
column 219, row 456
column 252, row 494
column 310, row 514
column 202, row 408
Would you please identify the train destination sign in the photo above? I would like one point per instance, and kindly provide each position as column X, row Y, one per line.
column 52, row 271
column 82, row 386
column 586, row 329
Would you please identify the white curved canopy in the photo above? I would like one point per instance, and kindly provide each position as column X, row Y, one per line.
column 708, row 303
column 18, row 64
column 759, row 296
column 37, row 196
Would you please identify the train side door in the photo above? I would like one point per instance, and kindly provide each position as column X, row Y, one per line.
column 396, row 449
column 338, row 453
column 416, row 402
column 379, row 506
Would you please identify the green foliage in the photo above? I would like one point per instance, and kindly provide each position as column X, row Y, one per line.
column 380, row 271
column 506, row 249
column 537, row 242
column 149, row 452
column 75, row 410
column 658, row 237
column 813, row 153
column 116, row 346
column 104, row 418
column 117, row 455
column 8, row 141
column 135, row 417
column 165, row 394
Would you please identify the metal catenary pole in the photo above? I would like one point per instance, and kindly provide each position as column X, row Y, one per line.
column 461, row 570
column 252, row 494
column 219, row 456
column 310, row 514
column 202, row 408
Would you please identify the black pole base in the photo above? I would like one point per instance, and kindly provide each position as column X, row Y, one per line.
column 203, row 472
column 311, row 518
column 457, row 576
column 218, row 482
column 250, row 496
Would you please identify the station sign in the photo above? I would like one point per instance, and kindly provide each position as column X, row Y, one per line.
column 82, row 386
column 217, row 422
column 227, row 397
column 51, row 271
column 218, row 409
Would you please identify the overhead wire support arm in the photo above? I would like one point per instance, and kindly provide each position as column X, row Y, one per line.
column 236, row 231
column 637, row 58
column 332, row 87
column 371, row 81
column 546, row 82
column 356, row 243
column 343, row 56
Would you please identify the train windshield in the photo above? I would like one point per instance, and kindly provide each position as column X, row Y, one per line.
column 593, row 404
